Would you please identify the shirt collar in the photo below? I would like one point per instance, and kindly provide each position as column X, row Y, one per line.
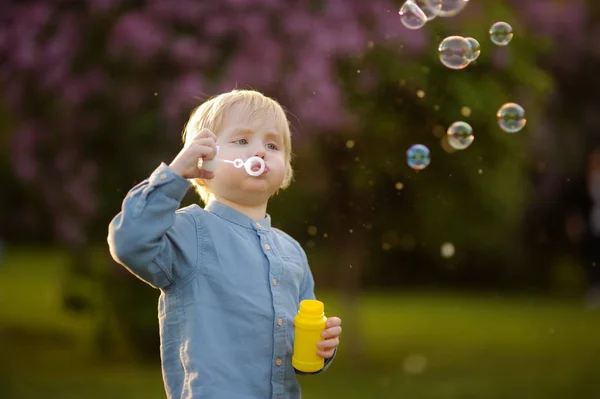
column 236, row 217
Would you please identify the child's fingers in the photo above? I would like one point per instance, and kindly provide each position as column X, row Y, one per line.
column 205, row 174
column 329, row 343
column 205, row 133
column 205, row 146
column 326, row 354
column 202, row 154
column 334, row 321
column 332, row 332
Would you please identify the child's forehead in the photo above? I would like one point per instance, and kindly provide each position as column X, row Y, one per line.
column 240, row 117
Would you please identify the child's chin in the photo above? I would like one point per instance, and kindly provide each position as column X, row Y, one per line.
column 255, row 185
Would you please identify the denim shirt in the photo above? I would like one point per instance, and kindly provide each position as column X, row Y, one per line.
column 229, row 287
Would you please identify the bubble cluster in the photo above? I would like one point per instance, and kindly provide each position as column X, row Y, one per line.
column 455, row 52
column 460, row 135
column 412, row 16
column 418, row 157
column 430, row 8
column 450, row 8
column 501, row 33
column 511, row 117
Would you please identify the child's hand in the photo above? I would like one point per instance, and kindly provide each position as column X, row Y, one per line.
column 202, row 146
column 331, row 337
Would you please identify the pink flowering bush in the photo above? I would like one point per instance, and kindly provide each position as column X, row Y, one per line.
column 96, row 93
column 90, row 85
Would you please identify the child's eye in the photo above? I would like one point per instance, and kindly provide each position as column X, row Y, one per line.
column 272, row 146
column 241, row 141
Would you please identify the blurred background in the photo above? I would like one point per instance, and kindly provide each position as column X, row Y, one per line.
column 477, row 277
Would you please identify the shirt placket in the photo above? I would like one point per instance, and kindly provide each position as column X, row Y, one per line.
column 279, row 333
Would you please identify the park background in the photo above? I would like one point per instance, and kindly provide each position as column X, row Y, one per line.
column 94, row 95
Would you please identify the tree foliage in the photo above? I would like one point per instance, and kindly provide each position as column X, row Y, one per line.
column 95, row 94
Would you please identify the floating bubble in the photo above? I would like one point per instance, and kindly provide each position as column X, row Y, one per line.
column 460, row 135
column 418, row 157
column 501, row 33
column 511, row 117
column 447, row 250
column 475, row 49
column 450, row 8
column 455, row 52
column 430, row 8
column 412, row 16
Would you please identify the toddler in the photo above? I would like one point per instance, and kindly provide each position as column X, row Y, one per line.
column 230, row 284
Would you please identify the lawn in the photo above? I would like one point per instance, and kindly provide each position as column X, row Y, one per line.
column 416, row 345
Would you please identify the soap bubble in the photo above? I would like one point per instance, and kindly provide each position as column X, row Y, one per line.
column 475, row 48
column 447, row 250
column 460, row 135
column 412, row 16
column 455, row 52
column 430, row 8
column 501, row 33
column 450, row 8
column 511, row 117
column 418, row 157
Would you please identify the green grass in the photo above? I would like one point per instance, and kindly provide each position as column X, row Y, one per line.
column 415, row 345
column 460, row 346
column 32, row 309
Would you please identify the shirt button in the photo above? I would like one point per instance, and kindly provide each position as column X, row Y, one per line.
column 163, row 176
column 280, row 322
column 267, row 247
column 274, row 282
column 258, row 225
column 278, row 361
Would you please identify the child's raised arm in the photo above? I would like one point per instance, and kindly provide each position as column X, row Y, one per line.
column 149, row 236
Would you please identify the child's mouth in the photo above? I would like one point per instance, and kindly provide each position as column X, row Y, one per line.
column 255, row 166
column 256, row 169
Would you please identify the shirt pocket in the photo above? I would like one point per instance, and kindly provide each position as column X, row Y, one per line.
column 292, row 273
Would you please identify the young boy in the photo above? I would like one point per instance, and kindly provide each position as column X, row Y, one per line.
column 230, row 283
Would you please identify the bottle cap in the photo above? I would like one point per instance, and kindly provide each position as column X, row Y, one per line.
column 312, row 307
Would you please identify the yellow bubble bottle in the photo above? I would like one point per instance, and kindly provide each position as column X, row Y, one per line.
column 310, row 323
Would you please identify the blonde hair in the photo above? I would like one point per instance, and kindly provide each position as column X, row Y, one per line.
column 211, row 113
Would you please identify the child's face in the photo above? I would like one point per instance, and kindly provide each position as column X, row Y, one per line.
column 241, row 136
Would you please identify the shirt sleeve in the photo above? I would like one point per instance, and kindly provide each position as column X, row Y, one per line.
column 307, row 291
column 149, row 236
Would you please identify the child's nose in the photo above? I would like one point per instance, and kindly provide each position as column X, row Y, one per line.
column 259, row 153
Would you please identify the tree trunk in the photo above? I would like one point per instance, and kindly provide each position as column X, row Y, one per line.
column 348, row 243
column 349, row 271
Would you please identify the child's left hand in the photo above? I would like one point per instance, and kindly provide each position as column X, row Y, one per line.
column 331, row 337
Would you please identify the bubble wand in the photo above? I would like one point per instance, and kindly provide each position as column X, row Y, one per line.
column 248, row 165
